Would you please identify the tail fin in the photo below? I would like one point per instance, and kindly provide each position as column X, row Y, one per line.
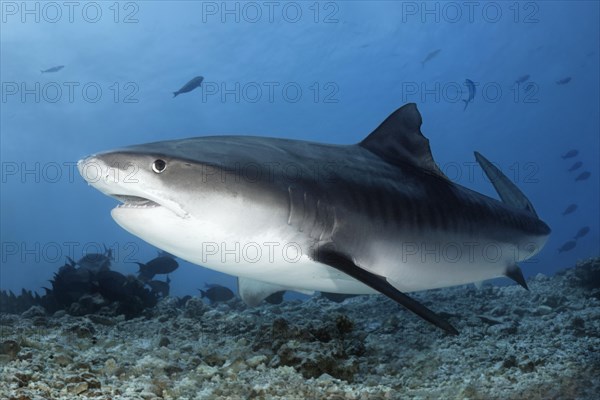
column 466, row 104
column 202, row 293
column 508, row 191
column 175, row 94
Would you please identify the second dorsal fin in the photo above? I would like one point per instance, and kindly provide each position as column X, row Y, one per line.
column 398, row 140
column 508, row 191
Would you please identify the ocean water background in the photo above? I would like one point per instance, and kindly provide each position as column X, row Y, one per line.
column 319, row 71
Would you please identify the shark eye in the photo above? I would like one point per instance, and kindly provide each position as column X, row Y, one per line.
column 159, row 166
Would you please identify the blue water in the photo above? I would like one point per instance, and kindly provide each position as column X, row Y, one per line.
column 336, row 70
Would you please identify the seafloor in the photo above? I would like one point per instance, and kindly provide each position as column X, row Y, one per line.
column 513, row 344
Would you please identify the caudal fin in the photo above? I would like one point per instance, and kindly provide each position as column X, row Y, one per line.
column 466, row 104
column 508, row 191
column 175, row 94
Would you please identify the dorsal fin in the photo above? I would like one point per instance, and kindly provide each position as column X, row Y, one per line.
column 508, row 191
column 398, row 140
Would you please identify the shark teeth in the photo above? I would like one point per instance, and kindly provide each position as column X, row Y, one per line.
column 135, row 202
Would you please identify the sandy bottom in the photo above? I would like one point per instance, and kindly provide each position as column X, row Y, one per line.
column 513, row 344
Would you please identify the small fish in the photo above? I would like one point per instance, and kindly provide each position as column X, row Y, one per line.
column 570, row 209
column 191, row 85
column 157, row 266
column 217, row 293
column 113, row 285
column 522, row 79
column 582, row 232
column 575, row 166
column 570, row 245
column 160, row 287
column 570, row 154
column 53, row 69
column 471, row 86
column 583, row 176
column 430, row 56
column 94, row 261
column 563, row 81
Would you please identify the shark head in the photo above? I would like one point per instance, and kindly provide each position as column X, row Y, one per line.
column 143, row 183
column 190, row 196
column 161, row 194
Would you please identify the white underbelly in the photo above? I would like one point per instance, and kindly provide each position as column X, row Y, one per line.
column 421, row 265
column 277, row 255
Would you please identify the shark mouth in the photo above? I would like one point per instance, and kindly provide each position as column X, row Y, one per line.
column 138, row 203
column 135, row 202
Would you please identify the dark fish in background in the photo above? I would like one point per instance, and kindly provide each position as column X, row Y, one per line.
column 522, row 79
column 275, row 298
column 471, row 86
column 113, row 285
column 70, row 283
column 95, row 262
column 430, row 56
column 575, row 166
column 582, row 232
column 161, row 288
column 191, row 85
column 337, row 297
column 563, row 81
column 583, row 176
column 53, row 69
column 568, row 246
column 570, row 154
column 570, row 209
column 217, row 293
column 157, row 266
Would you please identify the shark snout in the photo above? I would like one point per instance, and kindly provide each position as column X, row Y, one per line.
column 83, row 166
column 100, row 174
column 90, row 168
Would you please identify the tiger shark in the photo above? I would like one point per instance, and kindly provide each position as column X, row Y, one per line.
column 378, row 216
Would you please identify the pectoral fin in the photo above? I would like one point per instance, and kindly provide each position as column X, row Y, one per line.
column 343, row 263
